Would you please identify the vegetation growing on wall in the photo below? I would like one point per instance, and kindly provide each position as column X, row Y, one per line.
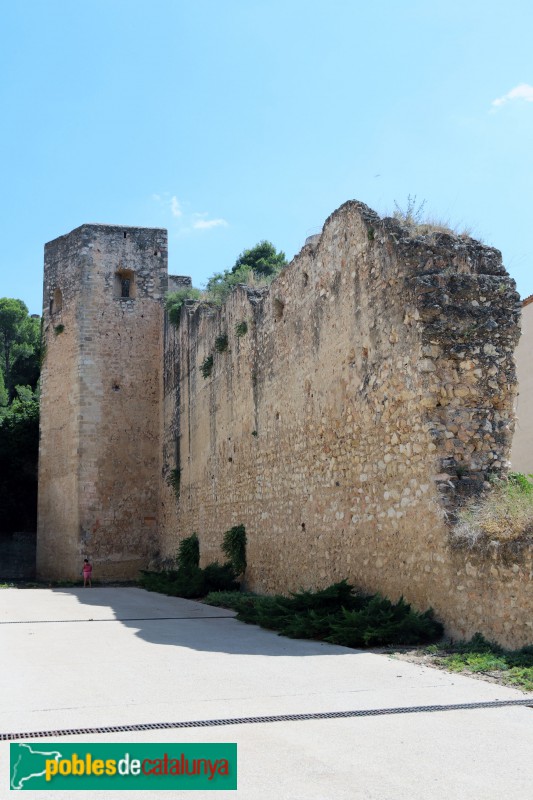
column 174, row 481
column 206, row 367
column 412, row 216
column 257, row 266
column 234, row 548
column 262, row 263
column 221, row 343
column 189, row 553
column 175, row 300
column 503, row 515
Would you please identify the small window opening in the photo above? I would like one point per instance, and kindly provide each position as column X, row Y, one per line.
column 125, row 234
column 56, row 302
column 124, row 284
column 306, row 278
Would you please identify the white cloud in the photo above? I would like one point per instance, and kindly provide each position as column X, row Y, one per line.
column 205, row 224
column 186, row 221
column 521, row 92
column 175, row 207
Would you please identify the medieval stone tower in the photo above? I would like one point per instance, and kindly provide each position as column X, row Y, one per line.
column 99, row 467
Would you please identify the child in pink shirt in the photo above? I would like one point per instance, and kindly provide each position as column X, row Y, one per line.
column 87, row 572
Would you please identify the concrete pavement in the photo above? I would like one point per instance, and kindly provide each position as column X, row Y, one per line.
column 98, row 657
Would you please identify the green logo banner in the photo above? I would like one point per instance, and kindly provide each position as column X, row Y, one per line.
column 41, row 765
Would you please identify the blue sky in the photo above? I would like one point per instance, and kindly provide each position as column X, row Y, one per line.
column 232, row 121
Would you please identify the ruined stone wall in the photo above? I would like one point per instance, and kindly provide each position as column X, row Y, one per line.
column 99, row 460
column 372, row 392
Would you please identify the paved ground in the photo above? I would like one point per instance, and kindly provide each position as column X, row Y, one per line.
column 106, row 656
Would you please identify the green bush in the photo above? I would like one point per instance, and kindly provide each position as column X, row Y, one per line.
column 189, row 553
column 174, row 480
column 189, row 580
column 177, row 583
column 381, row 622
column 514, row 667
column 220, row 577
column 221, row 284
column 206, row 367
column 175, row 300
column 242, row 602
column 337, row 614
column 520, row 483
column 19, row 446
column 221, row 343
column 259, row 265
column 234, row 548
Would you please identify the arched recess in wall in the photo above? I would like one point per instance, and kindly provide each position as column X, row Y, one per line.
column 56, row 303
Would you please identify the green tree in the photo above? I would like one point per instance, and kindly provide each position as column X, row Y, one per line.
column 220, row 284
column 19, row 345
column 175, row 300
column 20, row 338
column 263, row 261
column 19, row 445
column 3, row 393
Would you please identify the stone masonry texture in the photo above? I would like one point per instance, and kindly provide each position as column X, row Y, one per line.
column 369, row 394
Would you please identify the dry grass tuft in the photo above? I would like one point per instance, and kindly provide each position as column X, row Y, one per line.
column 412, row 217
column 503, row 515
column 255, row 281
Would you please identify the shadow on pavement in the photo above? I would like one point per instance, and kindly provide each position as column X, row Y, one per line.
column 173, row 621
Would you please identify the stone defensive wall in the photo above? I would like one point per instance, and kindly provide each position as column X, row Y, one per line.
column 360, row 400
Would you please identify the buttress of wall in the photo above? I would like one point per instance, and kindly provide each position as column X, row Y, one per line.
column 522, row 450
column 372, row 391
column 113, row 286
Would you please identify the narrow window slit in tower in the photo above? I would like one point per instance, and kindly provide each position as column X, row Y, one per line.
column 56, row 302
